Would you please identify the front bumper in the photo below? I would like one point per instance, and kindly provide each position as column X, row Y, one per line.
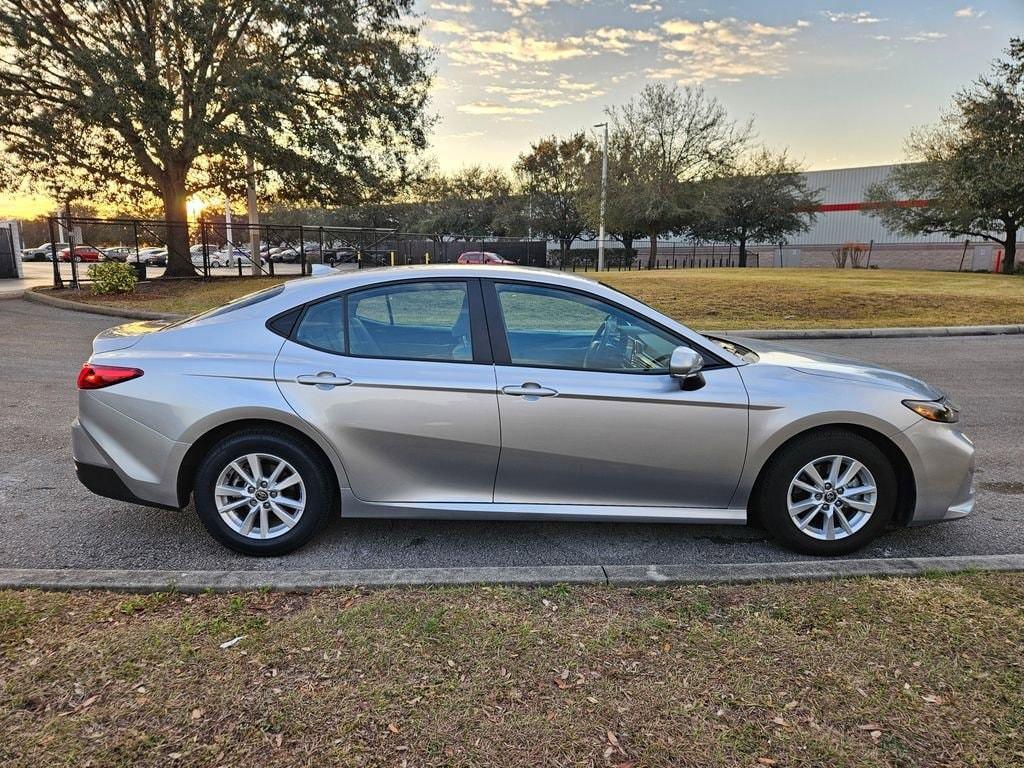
column 942, row 459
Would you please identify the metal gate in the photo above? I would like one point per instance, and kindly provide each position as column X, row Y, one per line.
column 8, row 257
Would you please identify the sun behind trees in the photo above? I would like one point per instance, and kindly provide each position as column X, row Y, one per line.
column 165, row 100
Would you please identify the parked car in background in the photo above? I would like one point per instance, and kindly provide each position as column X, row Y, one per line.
column 216, row 259
column 82, row 253
column 155, row 257
column 482, row 257
column 42, row 252
column 119, row 253
column 491, row 392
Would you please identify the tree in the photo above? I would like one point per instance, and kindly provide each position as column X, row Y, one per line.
column 968, row 174
column 101, row 97
column 553, row 175
column 464, row 204
column 675, row 137
column 763, row 199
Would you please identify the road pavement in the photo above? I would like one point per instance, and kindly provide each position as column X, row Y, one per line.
column 50, row 521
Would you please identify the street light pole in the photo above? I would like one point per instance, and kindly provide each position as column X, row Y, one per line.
column 604, row 196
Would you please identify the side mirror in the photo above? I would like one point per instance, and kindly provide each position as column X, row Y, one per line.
column 685, row 366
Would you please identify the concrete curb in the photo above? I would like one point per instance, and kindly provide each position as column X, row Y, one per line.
column 17, row 294
column 95, row 309
column 779, row 335
column 876, row 333
column 307, row 581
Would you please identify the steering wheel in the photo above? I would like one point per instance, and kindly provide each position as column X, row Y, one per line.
column 601, row 344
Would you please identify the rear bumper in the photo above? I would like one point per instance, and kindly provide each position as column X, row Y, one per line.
column 143, row 461
column 103, row 481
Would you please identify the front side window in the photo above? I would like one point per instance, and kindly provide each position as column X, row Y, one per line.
column 556, row 328
column 419, row 321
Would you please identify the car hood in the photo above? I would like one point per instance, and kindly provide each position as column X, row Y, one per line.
column 836, row 367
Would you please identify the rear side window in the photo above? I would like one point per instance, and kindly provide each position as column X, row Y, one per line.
column 407, row 321
column 323, row 326
column 412, row 321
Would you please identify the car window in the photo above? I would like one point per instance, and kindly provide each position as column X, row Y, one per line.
column 323, row 326
column 552, row 327
column 418, row 321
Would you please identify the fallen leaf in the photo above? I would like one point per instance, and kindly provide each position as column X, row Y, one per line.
column 393, row 728
column 932, row 699
column 197, row 713
column 233, row 641
column 781, row 721
column 766, row 761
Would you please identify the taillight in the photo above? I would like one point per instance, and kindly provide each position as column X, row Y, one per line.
column 100, row 376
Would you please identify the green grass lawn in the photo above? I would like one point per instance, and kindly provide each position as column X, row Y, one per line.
column 715, row 299
column 866, row 672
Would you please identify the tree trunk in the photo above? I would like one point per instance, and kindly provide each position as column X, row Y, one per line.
column 179, row 262
column 627, row 243
column 652, row 257
column 743, row 252
column 1010, row 251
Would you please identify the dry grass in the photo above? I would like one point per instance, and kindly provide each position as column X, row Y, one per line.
column 907, row 672
column 715, row 299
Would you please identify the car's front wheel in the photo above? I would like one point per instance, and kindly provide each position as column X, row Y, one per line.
column 261, row 492
column 827, row 493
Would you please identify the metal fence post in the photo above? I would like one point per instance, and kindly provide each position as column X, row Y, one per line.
column 302, row 249
column 58, row 281
column 204, row 239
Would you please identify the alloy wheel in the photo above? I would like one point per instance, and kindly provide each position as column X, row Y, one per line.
column 260, row 496
column 832, row 497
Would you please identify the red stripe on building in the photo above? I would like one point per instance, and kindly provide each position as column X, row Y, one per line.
column 840, row 207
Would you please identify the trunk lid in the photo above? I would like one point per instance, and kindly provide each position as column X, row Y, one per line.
column 126, row 335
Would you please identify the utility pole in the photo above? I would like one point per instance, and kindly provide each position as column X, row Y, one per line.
column 604, row 196
column 254, row 215
column 227, row 222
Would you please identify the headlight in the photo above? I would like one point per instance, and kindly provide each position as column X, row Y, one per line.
column 935, row 410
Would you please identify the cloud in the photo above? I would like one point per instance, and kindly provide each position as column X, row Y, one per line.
column 803, row 23
column 450, row 27
column 968, row 13
column 452, row 7
column 925, row 37
column 728, row 49
column 860, row 17
column 644, row 7
column 548, row 95
column 620, row 40
column 493, row 108
column 512, row 45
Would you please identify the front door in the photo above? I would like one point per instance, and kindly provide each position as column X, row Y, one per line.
column 401, row 383
column 589, row 414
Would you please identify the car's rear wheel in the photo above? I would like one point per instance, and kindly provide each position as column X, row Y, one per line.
column 827, row 493
column 261, row 492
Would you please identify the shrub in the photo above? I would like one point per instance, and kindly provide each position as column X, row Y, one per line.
column 112, row 277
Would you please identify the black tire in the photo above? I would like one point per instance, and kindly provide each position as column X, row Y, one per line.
column 307, row 462
column 771, row 503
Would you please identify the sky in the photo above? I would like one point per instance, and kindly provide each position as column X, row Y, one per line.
column 837, row 84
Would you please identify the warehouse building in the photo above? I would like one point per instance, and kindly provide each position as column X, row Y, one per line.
column 841, row 219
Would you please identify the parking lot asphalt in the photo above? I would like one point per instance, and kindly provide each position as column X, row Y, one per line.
column 50, row 521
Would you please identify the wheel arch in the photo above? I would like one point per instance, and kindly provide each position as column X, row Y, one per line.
column 906, row 485
column 204, row 443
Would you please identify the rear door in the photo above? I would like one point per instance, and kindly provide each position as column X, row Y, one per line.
column 590, row 415
column 399, row 377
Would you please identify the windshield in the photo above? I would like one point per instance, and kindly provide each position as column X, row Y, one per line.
column 739, row 350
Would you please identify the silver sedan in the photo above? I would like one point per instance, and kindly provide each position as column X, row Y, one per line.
column 503, row 393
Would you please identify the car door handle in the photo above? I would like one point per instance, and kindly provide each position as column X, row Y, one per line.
column 530, row 389
column 323, row 380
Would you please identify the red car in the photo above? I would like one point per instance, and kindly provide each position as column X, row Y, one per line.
column 482, row 257
column 82, row 253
